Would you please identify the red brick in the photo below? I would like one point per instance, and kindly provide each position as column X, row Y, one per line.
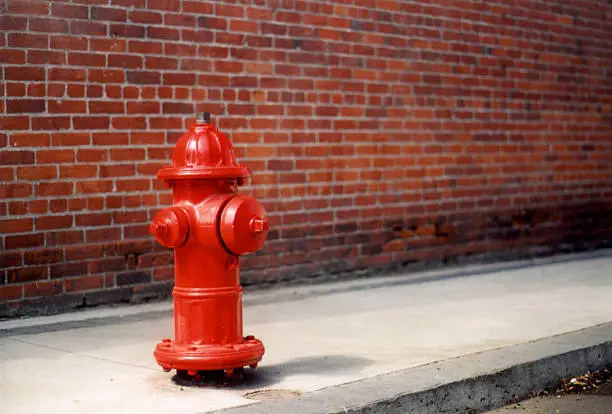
column 54, row 156
column 92, row 220
column 11, row 22
column 70, row 11
column 180, row 78
column 184, row 20
column 50, row 123
column 24, row 73
column 68, row 43
column 88, row 28
column 146, row 17
column 90, row 251
column 15, row 190
column 108, row 13
column 76, row 90
column 54, row 189
column 78, row 171
column 106, row 75
column 147, row 138
column 70, row 138
column 117, row 170
column 48, row 25
column 35, row 173
column 105, row 234
column 67, row 106
column 15, row 89
column 244, row 26
column 130, row 217
column 53, row 90
column 8, row 123
column 56, row 206
column 86, row 59
column 229, row 10
column 61, row 238
column 95, row 202
column 94, row 186
column 92, row 155
column 44, row 57
column 7, row 174
column 39, row 206
column 133, row 185
column 65, row 74
column 154, row 62
column 112, row 91
column 125, row 61
column 84, row 283
column 156, row 32
column 129, row 122
column 106, row 107
column 127, row 154
column 28, row 7
column 143, row 77
column 199, row 7
column 197, row 36
column 24, row 241
column 91, row 122
column 127, row 3
column 17, row 208
column 14, row 57
column 110, row 138
column 30, row 139
column 126, row 30
column 16, row 225
column 45, row 256
column 177, row 108
column 27, row 274
column 11, row 292
column 63, row 270
column 48, row 288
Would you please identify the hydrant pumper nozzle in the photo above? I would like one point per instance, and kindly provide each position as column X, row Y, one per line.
column 209, row 226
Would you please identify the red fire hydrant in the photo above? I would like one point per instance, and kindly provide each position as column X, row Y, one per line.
column 209, row 226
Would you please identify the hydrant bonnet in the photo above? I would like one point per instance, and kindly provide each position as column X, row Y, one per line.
column 203, row 152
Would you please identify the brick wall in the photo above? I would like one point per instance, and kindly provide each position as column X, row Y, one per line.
column 380, row 133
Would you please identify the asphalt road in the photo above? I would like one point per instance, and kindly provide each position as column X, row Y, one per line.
column 584, row 403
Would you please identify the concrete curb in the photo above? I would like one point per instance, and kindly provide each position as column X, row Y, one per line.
column 281, row 293
column 472, row 383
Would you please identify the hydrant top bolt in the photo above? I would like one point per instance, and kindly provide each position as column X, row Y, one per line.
column 204, row 117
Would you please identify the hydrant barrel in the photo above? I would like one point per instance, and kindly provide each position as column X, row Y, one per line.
column 209, row 226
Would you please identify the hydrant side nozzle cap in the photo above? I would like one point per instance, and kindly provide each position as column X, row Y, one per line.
column 244, row 225
column 170, row 227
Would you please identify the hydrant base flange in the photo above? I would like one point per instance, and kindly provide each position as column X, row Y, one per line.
column 208, row 357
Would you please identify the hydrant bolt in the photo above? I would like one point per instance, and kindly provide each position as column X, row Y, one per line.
column 258, row 225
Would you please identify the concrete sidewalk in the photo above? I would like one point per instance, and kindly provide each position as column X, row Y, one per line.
column 343, row 339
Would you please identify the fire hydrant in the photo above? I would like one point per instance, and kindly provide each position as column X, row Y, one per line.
column 209, row 226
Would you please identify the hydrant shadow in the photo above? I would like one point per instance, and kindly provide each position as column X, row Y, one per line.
column 268, row 375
